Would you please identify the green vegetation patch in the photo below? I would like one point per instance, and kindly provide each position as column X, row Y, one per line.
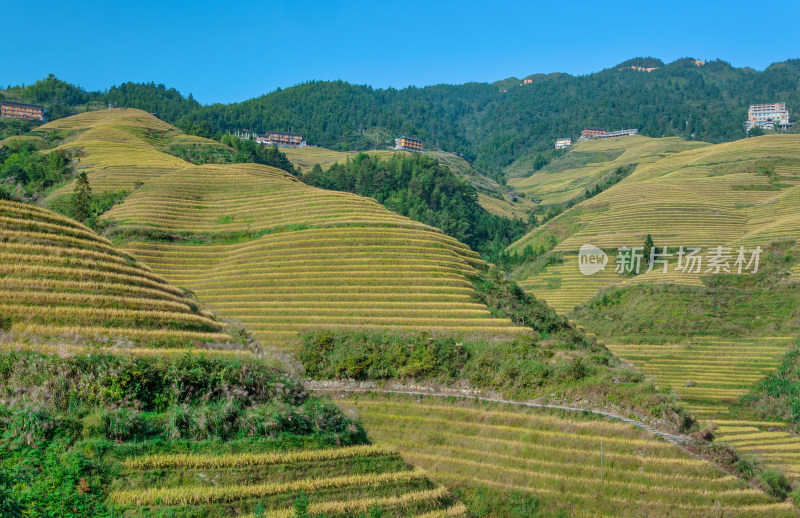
column 425, row 190
column 69, row 424
column 555, row 361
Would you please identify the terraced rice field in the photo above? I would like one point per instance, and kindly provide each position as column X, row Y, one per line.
column 57, row 277
column 709, row 196
column 563, row 286
column 770, row 442
column 556, row 457
column 587, row 163
column 347, row 481
column 503, row 208
column 243, row 198
column 257, row 245
column 721, row 370
column 345, row 278
column 305, row 158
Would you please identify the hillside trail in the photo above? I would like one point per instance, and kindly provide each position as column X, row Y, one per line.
column 680, row 441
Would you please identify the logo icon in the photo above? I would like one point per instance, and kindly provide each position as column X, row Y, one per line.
column 591, row 260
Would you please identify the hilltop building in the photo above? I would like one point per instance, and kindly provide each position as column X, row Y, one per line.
column 282, row 139
column 768, row 116
column 587, row 133
column 408, row 144
column 12, row 110
column 563, row 142
column 595, row 133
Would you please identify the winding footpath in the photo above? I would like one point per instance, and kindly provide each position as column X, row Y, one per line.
column 336, row 386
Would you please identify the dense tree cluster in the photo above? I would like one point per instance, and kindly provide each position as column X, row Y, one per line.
column 427, row 191
column 250, row 151
column 29, row 173
column 490, row 124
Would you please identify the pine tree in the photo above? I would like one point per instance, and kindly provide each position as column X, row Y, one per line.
column 81, row 198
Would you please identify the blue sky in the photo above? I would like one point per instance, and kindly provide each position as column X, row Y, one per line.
column 226, row 51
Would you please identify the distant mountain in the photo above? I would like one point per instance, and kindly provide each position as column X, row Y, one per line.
column 490, row 124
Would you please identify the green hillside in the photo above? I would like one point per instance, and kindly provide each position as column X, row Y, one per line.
column 492, row 196
column 709, row 337
column 257, row 245
column 733, row 194
column 491, row 124
column 587, row 163
column 136, row 403
column 121, row 397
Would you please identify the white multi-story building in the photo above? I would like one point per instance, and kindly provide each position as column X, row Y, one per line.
column 768, row 116
column 563, row 142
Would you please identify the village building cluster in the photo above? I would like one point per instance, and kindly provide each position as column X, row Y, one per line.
column 274, row 138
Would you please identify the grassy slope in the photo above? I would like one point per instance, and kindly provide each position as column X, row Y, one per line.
column 738, row 193
column 258, row 245
column 587, row 162
column 491, row 453
column 709, row 338
column 98, row 384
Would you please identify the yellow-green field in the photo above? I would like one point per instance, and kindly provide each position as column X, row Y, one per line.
column 305, row 158
column 742, row 193
column 589, row 161
column 767, row 441
column 347, row 481
column 718, row 370
column 563, row 286
column 557, row 458
column 709, row 196
column 60, row 278
column 505, row 208
column 257, row 245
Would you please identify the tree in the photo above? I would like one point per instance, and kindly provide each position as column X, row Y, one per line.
column 81, row 198
column 539, row 162
column 301, row 507
column 648, row 246
column 755, row 131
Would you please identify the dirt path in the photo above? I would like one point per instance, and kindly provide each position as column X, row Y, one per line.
column 336, row 386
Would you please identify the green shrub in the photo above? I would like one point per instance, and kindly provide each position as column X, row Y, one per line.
column 10, row 506
column 154, row 383
column 746, row 468
column 31, row 425
column 776, row 483
column 219, row 419
column 120, row 424
column 523, row 505
column 180, row 422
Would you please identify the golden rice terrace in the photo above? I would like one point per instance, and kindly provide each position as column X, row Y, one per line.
column 257, row 245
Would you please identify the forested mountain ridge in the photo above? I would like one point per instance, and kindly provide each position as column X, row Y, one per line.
column 490, row 124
